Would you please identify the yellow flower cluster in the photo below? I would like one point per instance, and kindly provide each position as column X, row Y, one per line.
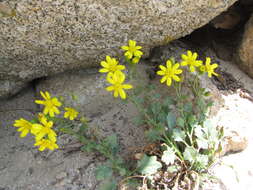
column 45, row 136
column 42, row 126
column 133, row 53
column 172, row 70
column 115, row 77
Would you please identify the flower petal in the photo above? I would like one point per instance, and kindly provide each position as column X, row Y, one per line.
column 110, row 88
column 192, row 68
column 178, row 71
column 169, row 81
column 184, row 57
column 169, row 64
column 132, row 43
column 176, row 78
column 116, row 93
column 189, row 53
column 122, row 94
column 160, row 72
column 47, row 95
column 208, row 61
column 162, row 68
column 127, row 86
column 104, row 64
column 103, row 70
column 126, row 48
column 43, row 95
column 195, row 55
column 213, row 66
column 39, row 102
column 163, row 79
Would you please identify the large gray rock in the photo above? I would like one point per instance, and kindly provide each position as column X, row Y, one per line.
column 245, row 55
column 40, row 38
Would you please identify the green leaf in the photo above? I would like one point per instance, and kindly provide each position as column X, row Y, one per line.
column 168, row 101
column 148, row 165
column 171, row 120
column 108, row 185
column 137, row 91
column 178, row 135
column 88, row 147
column 138, row 120
column 151, row 87
column 172, row 59
column 74, row 97
column 190, row 154
column 180, row 122
column 153, row 135
column 155, row 108
column 162, row 116
column 207, row 93
column 191, row 119
column 112, row 143
column 188, row 107
column 199, row 132
column 221, row 133
column 202, row 161
column 157, row 96
column 173, row 168
column 138, row 100
column 201, row 104
column 103, row 172
column 210, row 104
column 202, row 143
column 122, row 171
column 168, row 156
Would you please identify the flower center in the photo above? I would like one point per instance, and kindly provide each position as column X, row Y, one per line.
column 169, row 73
column 132, row 49
column 191, row 61
column 49, row 103
column 113, row 68
column 117, row 86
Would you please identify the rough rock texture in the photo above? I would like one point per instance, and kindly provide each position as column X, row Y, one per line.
column 46, row 37
column 245, row 55
column 23, row 167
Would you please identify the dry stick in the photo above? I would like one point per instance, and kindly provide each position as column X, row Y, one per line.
column 130, row 177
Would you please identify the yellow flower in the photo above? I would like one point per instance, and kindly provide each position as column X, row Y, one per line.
column 190, row 59
column 132, row 50
column 44, row 129
column 210, row 68
column 110, row 65
column 24, row 126
column 202, row 69
column 136, row 60
column 169, row 72
column 46, row 143
column 50, row 104
column 117, row 79
column 70, row 113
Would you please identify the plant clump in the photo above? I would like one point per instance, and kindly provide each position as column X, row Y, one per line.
column 185, row 144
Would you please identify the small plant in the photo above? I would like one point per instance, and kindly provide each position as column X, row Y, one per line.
column 185, row 143
column 189, row 143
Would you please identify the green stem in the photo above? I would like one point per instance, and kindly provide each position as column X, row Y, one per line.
column 132, row 70
column 150, row 121
column 166, row 139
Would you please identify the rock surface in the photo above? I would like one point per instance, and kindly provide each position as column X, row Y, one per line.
column 22, row 166
column 245, row 56
column 48, row 37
